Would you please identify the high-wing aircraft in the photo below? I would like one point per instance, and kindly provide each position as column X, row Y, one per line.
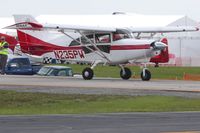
column 91, row 44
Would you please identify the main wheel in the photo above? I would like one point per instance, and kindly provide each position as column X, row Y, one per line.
column 146, row 76
column 127, row 73
column 156, row 65
column 87, row 73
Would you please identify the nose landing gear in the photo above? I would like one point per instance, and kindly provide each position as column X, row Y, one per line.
column 145, row 74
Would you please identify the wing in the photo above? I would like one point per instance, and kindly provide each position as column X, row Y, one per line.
column 37, row 26
column 163, row 29
column 27, row 22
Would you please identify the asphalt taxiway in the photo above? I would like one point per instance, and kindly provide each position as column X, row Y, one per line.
column 103, row 123
column 74, row 85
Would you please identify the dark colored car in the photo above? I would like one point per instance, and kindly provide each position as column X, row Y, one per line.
column 21, row 66
column 55, row 71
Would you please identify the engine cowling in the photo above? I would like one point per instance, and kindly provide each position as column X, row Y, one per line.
column 163, row 57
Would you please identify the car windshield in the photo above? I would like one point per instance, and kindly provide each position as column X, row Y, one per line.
column 20, row 62
column 44, row 70
column 55, row 71
column 52, row 72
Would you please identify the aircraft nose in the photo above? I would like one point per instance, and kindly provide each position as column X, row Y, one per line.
column 159, row 46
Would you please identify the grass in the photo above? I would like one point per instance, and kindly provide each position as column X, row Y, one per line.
column 157, row 73
column 12, row 102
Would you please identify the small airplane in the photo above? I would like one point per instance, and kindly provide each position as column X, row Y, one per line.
column 91, row 44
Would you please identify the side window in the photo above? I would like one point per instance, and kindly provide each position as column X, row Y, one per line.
column 85, row 41
column 75, row 42
column 70, row 72
column 62, row 73
column 119, row 35
column 102, row 38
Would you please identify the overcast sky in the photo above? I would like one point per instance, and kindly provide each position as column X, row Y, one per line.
column 190, row 8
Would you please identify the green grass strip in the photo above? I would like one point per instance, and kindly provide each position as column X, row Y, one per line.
column 12, row 103
column 162, row 72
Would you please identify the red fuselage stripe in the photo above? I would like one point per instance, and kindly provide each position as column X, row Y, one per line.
column 117, row 47
column 130, row 47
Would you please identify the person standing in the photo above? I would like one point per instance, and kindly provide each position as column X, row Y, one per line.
column 3, row 54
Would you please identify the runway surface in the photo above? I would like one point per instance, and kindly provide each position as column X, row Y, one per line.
column 71, row 85
column 103, row 123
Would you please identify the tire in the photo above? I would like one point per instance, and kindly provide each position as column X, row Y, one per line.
column 147, row 76
column 127, row 74
column 156, row 65
column 87, row 73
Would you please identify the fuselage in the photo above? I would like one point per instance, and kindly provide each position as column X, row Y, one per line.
column 104, row 47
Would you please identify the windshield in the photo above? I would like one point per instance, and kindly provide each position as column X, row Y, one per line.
column 21, row 62
column 44, row 70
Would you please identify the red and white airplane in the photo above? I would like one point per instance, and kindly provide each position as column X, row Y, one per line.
column 91, row 44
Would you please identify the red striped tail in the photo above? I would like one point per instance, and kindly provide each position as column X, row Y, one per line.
column 35, row 46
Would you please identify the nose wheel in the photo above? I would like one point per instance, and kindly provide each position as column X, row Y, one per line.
column 145, row 75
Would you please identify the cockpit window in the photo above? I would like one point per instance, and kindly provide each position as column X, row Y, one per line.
column 103, row 38
column 94, row 38
column 118, row 35
column 82, row 40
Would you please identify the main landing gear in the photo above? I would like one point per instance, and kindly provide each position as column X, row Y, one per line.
column 87, row 73
column 125, row 73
